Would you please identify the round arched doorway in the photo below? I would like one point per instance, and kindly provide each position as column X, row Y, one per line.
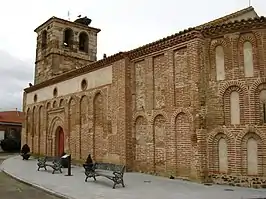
column 60, row 141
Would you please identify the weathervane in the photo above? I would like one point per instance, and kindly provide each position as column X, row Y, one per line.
column 68, row 15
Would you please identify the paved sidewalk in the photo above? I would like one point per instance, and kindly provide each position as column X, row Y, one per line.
column 4, row 156
column 138, row 186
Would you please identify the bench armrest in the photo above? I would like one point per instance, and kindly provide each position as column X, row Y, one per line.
column 89, row 170
column 119, row 174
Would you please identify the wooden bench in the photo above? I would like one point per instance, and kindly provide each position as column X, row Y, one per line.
column 55, row 164
column 111, row 171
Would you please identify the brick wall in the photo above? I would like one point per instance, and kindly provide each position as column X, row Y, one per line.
column 165, row 99
column 219, row 113
column 165, row 113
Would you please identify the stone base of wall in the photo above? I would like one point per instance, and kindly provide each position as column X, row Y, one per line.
column 169, row 175
column 240, row 181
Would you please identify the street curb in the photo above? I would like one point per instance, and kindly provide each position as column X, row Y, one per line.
column 49, row 191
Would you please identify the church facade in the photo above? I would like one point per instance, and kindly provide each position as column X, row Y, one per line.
column 191, row 105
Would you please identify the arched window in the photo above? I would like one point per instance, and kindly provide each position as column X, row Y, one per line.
column 252, row 156
column 263, row 105
column 44, row 39
column 248, row 59
column 83, row 42
column 223, row 157
column 235, row 108
column 68, row 37
column 219, row 62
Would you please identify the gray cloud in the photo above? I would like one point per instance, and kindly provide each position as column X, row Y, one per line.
column 15, row 75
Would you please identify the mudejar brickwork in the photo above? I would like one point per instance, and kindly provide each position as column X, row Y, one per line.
column 191, row 105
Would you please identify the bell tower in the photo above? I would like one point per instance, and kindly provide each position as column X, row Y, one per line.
column 63, row 46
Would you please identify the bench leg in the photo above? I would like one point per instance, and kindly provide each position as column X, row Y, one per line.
column 122, row 182
column 86, row 179
column 60, row 170
column 39, row 167
column 114, row 185
column 94, row 178
column 53, row 171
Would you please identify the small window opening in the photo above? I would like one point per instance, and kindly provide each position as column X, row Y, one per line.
column 68, row 37
column 263, row 106
column 84, row 84
column 44, row 39
column 264, row 112
column 55, row 92
column 35, row 98
column 83, row 42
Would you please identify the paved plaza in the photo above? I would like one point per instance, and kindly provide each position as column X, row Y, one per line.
column 138, row 186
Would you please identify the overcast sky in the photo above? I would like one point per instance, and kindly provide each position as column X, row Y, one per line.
column 125, row 24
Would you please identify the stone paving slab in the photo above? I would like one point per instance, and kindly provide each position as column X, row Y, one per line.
column 138, row 186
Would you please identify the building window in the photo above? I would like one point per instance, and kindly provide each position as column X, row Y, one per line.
column 44, row 39
column 68, row 37
column 83, row 42
column 35, row 98
column 55, row 92
column 263, row 105
column 61, row 103
column 219, row 61
column 235, row 108
column 248, row 59
column 48, row 106
column 252, row 156
column 54, row 104
column 84, row 84
column 223, row 157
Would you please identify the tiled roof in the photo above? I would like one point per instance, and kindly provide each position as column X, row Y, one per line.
column 11, row 116
column 233, row 26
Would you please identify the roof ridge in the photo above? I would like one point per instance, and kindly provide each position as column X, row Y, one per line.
column 227, row 17
column 231, row 26
column 233, row 22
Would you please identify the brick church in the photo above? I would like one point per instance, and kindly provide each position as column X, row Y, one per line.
column 191, row 105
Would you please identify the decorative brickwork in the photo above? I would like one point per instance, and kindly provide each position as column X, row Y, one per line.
column 227, row 102
column 248, row 37
column 227, row 55
column 100, row 133
column 84, row 127
column 213, row 149
column 159, row 128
